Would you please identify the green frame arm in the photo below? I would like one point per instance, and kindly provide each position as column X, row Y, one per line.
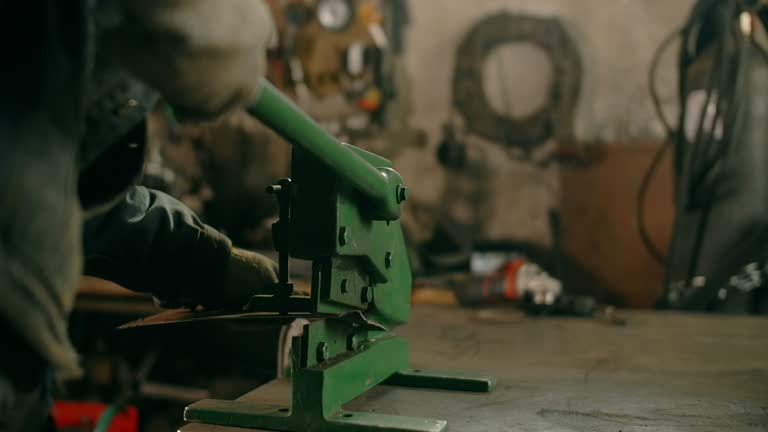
column 379, row 186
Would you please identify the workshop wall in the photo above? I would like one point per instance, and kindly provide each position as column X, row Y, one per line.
column 616, row 40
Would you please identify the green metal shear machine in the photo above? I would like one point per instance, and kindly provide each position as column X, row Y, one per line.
column 339, row 210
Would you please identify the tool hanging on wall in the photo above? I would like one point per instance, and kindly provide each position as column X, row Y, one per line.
column 296, row 17
column 336, row 55
column 335, row 15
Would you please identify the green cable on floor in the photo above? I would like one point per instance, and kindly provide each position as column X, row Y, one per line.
column 105, row 419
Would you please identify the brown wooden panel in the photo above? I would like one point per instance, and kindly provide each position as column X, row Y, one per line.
column 599, row 227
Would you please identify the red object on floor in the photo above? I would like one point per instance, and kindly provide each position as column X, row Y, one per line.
column 70, row 415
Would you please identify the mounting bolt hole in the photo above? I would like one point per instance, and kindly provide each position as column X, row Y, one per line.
column 347, row 415
column 416, row 370
column 283, row 410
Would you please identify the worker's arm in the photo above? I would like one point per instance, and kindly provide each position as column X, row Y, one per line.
column 204, row 56
column 150, row 242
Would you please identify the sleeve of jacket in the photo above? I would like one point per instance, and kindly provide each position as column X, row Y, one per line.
column 150, row 242
column 205, row 56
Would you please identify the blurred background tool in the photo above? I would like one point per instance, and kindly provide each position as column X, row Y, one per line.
column 517, row 281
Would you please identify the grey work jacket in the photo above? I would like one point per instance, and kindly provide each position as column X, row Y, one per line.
column 203, row 56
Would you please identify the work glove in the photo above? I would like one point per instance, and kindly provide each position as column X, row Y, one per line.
column 246, row 274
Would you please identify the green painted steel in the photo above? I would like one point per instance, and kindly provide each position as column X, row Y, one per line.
column 321, row 388
column 329, row 371
column 284, row 117
column 368, row 245
column 359, row 263
column 340, row 210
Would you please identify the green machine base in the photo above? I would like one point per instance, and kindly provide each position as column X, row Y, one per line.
column 320, row 389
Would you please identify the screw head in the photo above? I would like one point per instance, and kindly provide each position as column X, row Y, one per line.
column 343, row 236
column 402, row 193
column 388, row 259
column 352, row 343
column 127, row 106
column 322, row 352
column 365, row 295
column 343, row 286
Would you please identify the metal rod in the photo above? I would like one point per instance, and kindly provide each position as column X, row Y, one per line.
column 284, row 272
column 279, row 113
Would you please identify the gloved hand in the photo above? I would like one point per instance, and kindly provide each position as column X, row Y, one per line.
column 247, row 273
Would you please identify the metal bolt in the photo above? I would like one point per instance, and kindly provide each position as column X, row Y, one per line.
column 127, row 106
column 388, row 259
column 365, row 295
column 402, row 193
column 322, row 352
column 343, row 237
column 352, row 343
column 344, row 286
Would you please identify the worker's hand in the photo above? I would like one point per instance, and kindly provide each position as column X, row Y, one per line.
column 248, row 273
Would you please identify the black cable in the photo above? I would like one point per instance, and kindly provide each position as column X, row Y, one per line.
column 657, row 158
column 695, row 34
column 703, row 135
column 713, row 30
column 703, row 138
column 662, row 48
column 641, row 194
column 695, row 160
column 734, row 89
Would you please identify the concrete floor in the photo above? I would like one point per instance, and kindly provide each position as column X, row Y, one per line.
column 661, row 372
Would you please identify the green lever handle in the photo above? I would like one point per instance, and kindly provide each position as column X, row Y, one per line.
column 379, row 186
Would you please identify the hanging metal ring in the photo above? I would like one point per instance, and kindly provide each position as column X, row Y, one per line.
column 555, row 118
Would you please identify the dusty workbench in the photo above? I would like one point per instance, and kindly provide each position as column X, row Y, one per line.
column 660, row 372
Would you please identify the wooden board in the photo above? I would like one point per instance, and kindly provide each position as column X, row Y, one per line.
column 606, row 256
